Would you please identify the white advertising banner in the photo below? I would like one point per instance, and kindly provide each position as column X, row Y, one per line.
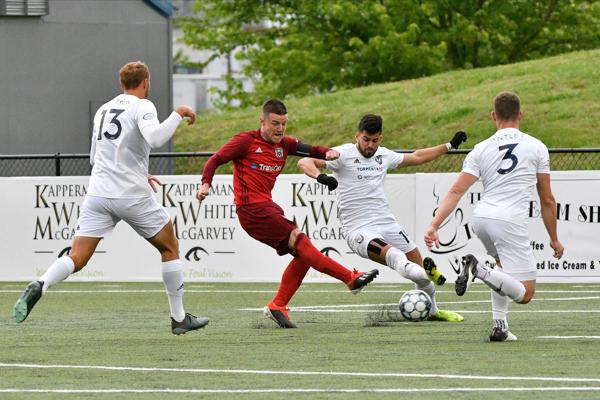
column 578, row 196
column 40, row 217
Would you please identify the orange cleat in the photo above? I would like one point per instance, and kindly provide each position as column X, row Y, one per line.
column 279, row 315
column 361, row 279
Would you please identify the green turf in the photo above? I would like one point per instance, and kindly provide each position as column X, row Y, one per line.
column 560, row 99
column 132, row 330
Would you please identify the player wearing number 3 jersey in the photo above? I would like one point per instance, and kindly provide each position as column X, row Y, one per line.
column 125, row 129
column 509, row 163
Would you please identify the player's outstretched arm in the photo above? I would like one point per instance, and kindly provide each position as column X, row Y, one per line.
column 312, row 167
column 548, row 204
column 422, row 156
column 448, row 204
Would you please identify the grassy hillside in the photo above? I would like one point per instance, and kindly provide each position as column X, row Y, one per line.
column 560, row 100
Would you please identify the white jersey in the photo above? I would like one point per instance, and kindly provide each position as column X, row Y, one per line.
column 361, row 198
column 119, row 152
column 507, row 164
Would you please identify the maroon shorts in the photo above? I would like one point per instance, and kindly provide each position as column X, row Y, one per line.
column 265, row 222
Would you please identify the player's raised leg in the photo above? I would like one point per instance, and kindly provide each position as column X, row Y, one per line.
column 310, row 255
column 172, row 274
column 79, row 255
column 496, row 280
column 380, row 251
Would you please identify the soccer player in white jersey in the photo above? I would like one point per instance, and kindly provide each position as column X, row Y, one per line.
column 509, row 163
column 125, row 129
column 370, row 227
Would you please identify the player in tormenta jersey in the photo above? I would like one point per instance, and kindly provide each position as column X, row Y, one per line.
column 510, row 164
column 258, row 158
column 370, row 227
column 125, row 129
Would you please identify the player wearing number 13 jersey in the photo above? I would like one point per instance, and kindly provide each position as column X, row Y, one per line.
column 125, row 129
column 509, row 163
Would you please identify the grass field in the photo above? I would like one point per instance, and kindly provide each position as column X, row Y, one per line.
column 112, row 340
column 560, row 96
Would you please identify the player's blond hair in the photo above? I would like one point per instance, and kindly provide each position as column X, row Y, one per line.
column 507, row 106
column 133, row 74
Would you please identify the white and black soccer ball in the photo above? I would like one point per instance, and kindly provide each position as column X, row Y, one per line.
column 415, row 305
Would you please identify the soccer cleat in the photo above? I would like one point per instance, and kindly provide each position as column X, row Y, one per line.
column 443, row 315
column 498, row 335
column 190, row 323
column 361, row 279
column 25, row 304
column 279, row 315
column 469, row 263
column 432, row 272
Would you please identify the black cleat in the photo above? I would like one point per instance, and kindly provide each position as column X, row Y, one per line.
column 498, row 335
column 469, row 263
column 25, row 304
column 432, row 272
column 361, row 279
column 279, row 315
column 189, row 323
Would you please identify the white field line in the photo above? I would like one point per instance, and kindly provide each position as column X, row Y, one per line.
column 370, row 290
column 303, row 373
column 439, row 302
column 362, row 390
column 458, row 311
column 349, row 308
column 568, row 337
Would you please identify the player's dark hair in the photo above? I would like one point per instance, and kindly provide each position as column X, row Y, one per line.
column 274, row 106
column 507, row 106
column 132, row 74
column 370, row 123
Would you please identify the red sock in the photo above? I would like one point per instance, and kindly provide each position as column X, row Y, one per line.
column 290, row 281
column 309, row 254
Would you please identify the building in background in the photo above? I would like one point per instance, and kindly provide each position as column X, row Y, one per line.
column 59, row 61
column 193, row 86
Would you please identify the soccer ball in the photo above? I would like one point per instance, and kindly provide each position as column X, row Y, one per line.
column 415, row 305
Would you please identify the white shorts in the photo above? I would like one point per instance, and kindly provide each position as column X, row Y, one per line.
column 393, row 234
column 509, row 244
column 100, row 215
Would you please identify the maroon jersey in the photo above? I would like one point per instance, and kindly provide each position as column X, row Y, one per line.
column 257, row 163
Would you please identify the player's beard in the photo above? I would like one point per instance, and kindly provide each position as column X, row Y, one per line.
column 366, row 153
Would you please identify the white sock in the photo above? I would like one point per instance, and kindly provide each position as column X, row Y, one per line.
column 430, row 290
column 172, row 274
column 397, row 260
column 60, row 270
column 502, row 283
column 500, row 310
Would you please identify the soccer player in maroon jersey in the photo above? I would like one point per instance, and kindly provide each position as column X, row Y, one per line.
column 258, row 157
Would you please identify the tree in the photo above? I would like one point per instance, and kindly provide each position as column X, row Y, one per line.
column 297, row 47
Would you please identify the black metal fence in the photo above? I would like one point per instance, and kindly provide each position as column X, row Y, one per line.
column 192, row 163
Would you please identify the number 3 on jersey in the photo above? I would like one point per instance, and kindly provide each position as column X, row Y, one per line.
column 114, row 120
column 508, row 156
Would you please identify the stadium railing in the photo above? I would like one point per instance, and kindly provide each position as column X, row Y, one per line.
column 192, row 163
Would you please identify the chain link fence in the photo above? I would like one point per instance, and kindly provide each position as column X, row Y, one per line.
column 193, row 162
